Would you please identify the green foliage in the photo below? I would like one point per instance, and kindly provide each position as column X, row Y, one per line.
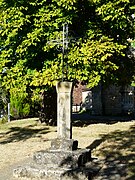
column 3, row 101
column 91, row 66
column 20, row 107
column 133, row 44
column 4, row 119
column 30, row 63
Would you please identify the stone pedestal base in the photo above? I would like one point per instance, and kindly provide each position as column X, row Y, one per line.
column 65, row 159
column 57, row 165
column 37, row 172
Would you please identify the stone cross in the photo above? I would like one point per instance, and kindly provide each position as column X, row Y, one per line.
column 63, row 160
column 64, row 139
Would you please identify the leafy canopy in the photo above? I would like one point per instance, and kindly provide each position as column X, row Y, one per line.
column 100, row 29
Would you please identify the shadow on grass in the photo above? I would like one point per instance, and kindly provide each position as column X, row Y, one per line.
column 85, row 119
column 16, row 134
column 118, row 149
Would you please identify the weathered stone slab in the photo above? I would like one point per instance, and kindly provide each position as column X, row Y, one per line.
column 70, row 159
column 34, row 172
column 64, row 144
column 53, row 173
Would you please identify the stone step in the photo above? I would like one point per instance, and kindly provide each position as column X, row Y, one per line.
column 68, row 159
column 37, row 172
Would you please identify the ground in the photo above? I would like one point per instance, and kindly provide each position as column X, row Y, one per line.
column 111, row 141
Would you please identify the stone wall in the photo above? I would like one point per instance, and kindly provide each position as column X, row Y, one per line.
column 119, row 100
column 96, row 101
column 114, row 100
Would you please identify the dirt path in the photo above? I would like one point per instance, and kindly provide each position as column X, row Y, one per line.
column 7, row 173
column 18, row 154
column 18, row 144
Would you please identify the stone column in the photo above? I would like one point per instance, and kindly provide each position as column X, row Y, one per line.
column 64, row 139
column 64, row 128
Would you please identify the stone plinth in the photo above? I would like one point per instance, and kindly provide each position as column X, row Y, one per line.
column 64, row 159
column 57, row 165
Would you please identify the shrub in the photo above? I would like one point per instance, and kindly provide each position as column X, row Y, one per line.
column 19, row 105
column 4, row 119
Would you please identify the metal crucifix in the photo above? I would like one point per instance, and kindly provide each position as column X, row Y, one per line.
column 64, row 48
column 64, row 43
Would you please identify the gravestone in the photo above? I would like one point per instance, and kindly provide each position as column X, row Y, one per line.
column 63, row 160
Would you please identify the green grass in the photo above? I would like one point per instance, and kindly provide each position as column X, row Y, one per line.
column 18, row 123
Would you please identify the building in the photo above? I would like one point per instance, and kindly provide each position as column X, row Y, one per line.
column 114, row 100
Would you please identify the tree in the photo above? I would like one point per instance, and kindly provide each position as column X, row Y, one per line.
column 3, row 101
column 101, row 29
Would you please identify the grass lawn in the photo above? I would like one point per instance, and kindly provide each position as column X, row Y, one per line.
column 113, row 142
